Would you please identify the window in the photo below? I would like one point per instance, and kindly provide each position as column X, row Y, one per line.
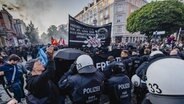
column 119, row 8
column 120, row 18
column 126, row 39
column 119, row 29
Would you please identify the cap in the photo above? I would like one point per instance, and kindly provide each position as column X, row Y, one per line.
column 29, row 64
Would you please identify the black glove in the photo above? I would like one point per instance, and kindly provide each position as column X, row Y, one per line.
column 73, row 69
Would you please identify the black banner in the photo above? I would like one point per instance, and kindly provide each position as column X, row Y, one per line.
column 100, row 61
column 83, row 35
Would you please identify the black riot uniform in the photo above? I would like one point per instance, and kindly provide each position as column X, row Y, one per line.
column 86, row 86
column 108, row 69
column 83, row 88
column 128, row 65
column 118, row 86
column 141, row 72
column 136, row 62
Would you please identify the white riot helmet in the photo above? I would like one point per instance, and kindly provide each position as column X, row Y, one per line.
column 136, row 81
column 84, row 64
column 155, row 53
column 165, row 81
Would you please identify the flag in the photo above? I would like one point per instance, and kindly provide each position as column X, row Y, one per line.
column 42, row 56
column 61, row 41
column 54, row 41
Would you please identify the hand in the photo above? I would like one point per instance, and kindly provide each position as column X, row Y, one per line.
column 50, row 51
column 13, row 101
column 1, row 73
column 73, row 69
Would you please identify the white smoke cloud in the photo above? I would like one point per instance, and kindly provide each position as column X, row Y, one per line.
column 44, row 13
column 30, row 10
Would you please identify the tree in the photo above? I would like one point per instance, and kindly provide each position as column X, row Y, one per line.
column 52, row 31
column 55, row 32
column 45, row 38
column 165, row 15
column 62, row 32
column 32, row 33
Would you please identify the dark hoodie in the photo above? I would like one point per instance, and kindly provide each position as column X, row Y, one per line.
column 42, row 87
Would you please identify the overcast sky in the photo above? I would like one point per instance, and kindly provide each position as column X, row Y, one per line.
column 44, row 13
column 59, row 13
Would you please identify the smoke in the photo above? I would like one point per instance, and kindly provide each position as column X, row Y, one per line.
column 29, row 10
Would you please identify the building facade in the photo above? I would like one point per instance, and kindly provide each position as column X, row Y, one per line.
column 8, row 27
column 11, row 30
column 101, row 12
column 20, row 28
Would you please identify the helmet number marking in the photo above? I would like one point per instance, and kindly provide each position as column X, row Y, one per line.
column 79, row 65
column 155, row 88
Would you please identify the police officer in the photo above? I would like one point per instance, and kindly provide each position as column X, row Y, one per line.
column 136, row 60
column 146, row 55
column 140, row 91
column 141, row 70
column 118, row 86
column 108, row 69
column 127, row 62
column 164, row 81
column 85, row 87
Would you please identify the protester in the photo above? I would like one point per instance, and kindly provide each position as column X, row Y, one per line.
column 23, row 72
column 41, row 89
column 86, row 86
column 12, row 79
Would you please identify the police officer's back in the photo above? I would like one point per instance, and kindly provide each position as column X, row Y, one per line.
column 107, row 71
column 86, row 86
column 118, row 86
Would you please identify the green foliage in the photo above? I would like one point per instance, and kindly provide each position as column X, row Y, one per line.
column 165, row 15
column 32, row 33
column 52, row 30
column 55, row 32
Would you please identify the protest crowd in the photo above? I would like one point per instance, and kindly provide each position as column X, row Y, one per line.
column 133, row 73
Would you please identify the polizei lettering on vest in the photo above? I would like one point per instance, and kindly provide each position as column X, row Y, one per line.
column 91, row 90
column 124, row 86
